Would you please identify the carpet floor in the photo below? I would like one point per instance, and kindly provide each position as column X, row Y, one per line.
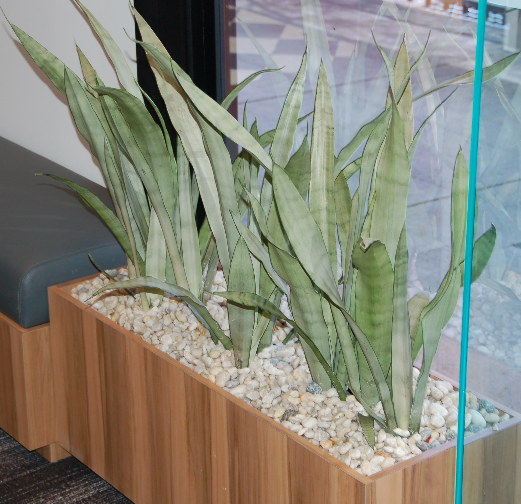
column 27, row 478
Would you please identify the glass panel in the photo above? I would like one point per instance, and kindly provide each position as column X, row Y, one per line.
column 494, row 356
column 273, row 34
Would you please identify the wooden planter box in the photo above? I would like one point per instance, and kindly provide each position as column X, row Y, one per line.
column 161, row 433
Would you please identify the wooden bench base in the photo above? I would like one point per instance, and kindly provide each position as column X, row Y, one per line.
column 26, row 387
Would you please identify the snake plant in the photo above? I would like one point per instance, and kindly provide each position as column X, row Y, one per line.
column 328, row 231
column 341, row 247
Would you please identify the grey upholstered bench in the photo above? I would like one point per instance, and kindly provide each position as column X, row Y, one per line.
column 46, row 234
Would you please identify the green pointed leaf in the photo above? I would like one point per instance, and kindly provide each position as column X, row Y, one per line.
column 374, row 309
column 241, row 278
column 415, row 306
column 401, row 374
column 306, row 306
column 303, row 233
column 256, row 301
column 483, row 248
column 155, row 263
column 105, row 213
column 125, row 74
column 197, row 307
column 188, row 226
column 387, row 217
column 368, row 163
column 343, row 212
column 347, row 151
column 489, row 73
column 50, row 64
column 299, row 168
column 256, row 247
column 287, row 124
column 89, row 74
column 403, row 90
column 367, row 424
column 225, row 104
column 321, row 188
column 207, row 107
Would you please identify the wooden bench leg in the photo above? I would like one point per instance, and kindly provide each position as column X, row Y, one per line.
column 26, row 384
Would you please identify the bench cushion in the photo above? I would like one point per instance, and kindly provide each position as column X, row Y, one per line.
column 46, row 234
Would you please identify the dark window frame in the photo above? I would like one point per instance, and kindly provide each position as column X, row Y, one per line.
column 196, row 33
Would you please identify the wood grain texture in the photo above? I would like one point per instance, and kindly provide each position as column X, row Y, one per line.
column 26, row 395
column 159, row 432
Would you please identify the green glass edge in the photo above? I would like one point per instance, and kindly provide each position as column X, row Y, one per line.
column 469, row 247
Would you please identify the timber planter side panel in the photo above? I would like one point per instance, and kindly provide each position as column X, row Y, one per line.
column 161, row 433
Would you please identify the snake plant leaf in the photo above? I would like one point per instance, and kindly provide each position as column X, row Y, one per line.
column 401, row 371
column 415, row 306
column 489, row 72
column 347, row 351
column 458, row 222
column 437, row 313
column 256, row 301
column 367, row 424
column 377, row 372
column 189, row 131
column 155, row 261
column 388, row 64
column 287, row 124
column 188, row 226
column 148, row 138
column 222, row 169
column 303, row 233
column 321, row 187
column 387, row 218
column 198, row 309
column 241, row 278
column 419, row 131
column 299, row 168
column 256, row 247
column 374, row 309
column 137, row 203
column 345, row 154
column 49, row 64
column 207, row 107
column 89, row 73
column 123, row 71
column 343, row 212
column 225, row 104
column 434, row 317
column 87, row 114
column 315, row 33
column 370, row 156
column 406, row 77
column 327, row 314
column 162, row 122
column 136, row 266
column 104, row 212
column 306, row 306
column 265, row 324
column 403, row 91
column 483, row 248
column 127, row 139
column 266, row 138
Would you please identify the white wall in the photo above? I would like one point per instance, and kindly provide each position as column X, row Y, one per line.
column 32, row 113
